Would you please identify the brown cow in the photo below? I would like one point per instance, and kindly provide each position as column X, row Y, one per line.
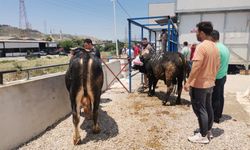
column 169, row 67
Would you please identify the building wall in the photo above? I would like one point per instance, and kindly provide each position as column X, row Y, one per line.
column 230, row 17
column 161, row 9
column 234, row 30
column 211, row 5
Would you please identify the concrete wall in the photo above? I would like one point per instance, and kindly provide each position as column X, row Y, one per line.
column 115, row 66
column 27, row 108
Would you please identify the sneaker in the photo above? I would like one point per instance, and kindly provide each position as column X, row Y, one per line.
column 210, row 134
column 198, row 138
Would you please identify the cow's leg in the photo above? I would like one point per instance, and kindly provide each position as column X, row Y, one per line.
column 96, row 128
column 170, row 87
column 179, row 90
column 75, row 105
column 150, row 83
column 154, row 85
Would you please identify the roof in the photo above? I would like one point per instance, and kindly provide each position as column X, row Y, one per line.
column 24, row 41
column 164, row 21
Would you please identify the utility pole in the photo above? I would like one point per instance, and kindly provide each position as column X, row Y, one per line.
column 116, row 42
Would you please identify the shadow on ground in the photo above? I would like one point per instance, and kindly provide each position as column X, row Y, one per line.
column 225, row 118
column 217, row 132
column 109, row 128
column 105, row 100
column 172, row 99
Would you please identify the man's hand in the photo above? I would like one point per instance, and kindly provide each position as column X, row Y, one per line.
column 186, row 87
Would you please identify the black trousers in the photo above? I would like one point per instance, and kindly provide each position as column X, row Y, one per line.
column 218, row 97
column 201, row 100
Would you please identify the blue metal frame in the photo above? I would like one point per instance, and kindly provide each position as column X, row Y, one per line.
column 172, row 41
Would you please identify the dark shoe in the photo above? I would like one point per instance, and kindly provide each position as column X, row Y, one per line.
column 216, row 120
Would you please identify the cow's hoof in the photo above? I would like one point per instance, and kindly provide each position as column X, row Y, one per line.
column 150, row 94
column 96, row 129
column 76, row 140
column 164, row 103
column 178, row 103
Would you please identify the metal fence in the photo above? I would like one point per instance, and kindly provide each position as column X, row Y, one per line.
column 28, row 70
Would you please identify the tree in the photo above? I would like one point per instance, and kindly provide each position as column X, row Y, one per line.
column 49, row 38
column 67, row 44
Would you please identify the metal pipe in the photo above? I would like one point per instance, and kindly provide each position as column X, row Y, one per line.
column 141, row 39
column 153, row 17
column 129, row 46
column 116, row 42
column 1, row 78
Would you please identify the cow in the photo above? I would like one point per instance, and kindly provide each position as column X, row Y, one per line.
column 84, row 80
column 167, row 66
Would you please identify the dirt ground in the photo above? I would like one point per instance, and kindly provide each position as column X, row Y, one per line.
column 136, row 121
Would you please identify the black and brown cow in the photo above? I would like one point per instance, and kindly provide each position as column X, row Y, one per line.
column 169, row 67
column 84, row 80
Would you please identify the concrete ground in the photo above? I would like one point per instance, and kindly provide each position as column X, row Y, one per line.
column 136, row 121
column 237, row 88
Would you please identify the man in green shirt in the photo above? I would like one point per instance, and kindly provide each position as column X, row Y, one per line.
column 218, row 91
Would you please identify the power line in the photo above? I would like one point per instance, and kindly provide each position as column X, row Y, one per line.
column 123, row 8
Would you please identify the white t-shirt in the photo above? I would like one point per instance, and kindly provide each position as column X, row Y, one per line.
column 186, row 52
column 132, row 53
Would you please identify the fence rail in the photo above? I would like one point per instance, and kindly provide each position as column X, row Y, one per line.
column 27, row 70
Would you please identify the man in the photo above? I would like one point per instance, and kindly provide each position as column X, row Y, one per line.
column 218, row 91
column 201, row 80
column 146, row 48
column 88, row 46
column 186, row 52
column 163, row 39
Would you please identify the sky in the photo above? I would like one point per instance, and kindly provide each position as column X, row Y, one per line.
column 77, row 17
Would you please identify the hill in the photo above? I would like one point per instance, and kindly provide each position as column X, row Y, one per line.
column 8, row 32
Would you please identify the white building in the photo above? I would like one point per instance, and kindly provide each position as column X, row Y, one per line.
column 230, row 17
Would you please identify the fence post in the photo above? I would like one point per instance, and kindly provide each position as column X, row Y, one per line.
column 1, row 78
column 28, row 73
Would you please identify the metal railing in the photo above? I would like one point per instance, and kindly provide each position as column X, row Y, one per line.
column 27, row 70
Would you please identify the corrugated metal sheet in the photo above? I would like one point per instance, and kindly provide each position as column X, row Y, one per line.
column 21, row 45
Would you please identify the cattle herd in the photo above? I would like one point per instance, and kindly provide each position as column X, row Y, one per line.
column 84, row 80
